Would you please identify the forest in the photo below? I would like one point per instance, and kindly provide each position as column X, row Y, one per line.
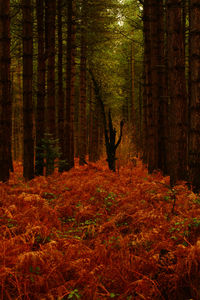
column 99, row 149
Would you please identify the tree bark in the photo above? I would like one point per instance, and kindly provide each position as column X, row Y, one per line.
column 154, row 99
column 83, row 99
column 28, row 170
column 194, row 109
column 70, row 78
column 147, row 80
column 40, row 109
column 5, row 92
column 177, row 92
column 94, row 124
column 50, row 52
column 61, row 106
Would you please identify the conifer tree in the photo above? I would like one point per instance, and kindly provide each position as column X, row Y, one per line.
column 40, row 110
column 28, row 154
column 5, row 92
column 194, row 128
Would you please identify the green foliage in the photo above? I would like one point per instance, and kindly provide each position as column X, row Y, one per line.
column 109, row 201
column 184, row 228
column 113, row 295
column 35, row 270
column 74, row 295
column 50, row 153
column 197, row 201
column 195, row 222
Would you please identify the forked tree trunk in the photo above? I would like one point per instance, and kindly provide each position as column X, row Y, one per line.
column 110, row 132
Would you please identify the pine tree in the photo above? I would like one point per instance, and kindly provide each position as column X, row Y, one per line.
column 194, row 109
column 5, row 92
column 28, row 156
column 70, row 79
column 177, row 91
column 82, row 103
column 40, row 111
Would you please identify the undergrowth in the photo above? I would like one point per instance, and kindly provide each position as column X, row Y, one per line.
column 93, row 234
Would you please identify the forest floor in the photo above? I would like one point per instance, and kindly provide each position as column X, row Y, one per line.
column 93, row 234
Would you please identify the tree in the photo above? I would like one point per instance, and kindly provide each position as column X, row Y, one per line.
column 95, row 126
column 17, row 107
column 177, row 91
column 61, row 104
column 147, row 80
column 70, row 79
column 50, row 13
column 162, row 89
column 5, row 93
column 109, row 131
column 82, row 106
column 28, row 156
column 154, row 97
column 40, row 110
column 194, row 109
column 155, row 113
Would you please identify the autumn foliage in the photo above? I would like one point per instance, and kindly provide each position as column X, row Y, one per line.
column 93, row 234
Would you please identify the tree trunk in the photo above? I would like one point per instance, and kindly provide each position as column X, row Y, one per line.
column 61, row 106
column 162, row 90
column 28, row 170
column 17, row 110
column 40, row 110
column 70, row 78
column 110, row 132
column 82, row 106
column 177, row 92
column 94, row 121
column 153, row 100
column 147, row 101
column 50, row 51
column 194, row 134
column 5, row 91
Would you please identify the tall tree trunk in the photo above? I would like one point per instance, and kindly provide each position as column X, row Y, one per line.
column 153, row 100
column 50, row 51
column 61, row 106
column 17, row 110
column 162, row 90
column 28, row 170
column 177, row 92
column 94, row 121
column 132, row 104
column 40, row 110
column 70, row 78
column 5, row 94
column 194, row 138
column 147, row 101
column 82, row 107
